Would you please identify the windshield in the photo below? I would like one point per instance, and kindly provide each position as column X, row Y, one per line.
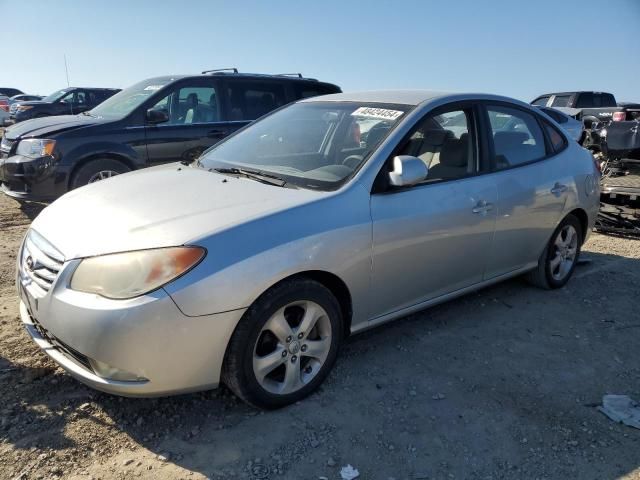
column 126, row 101
column 57, row 95
column 317, row 145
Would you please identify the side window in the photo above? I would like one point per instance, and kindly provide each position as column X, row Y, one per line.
column 541, row 101
column 557, row 141
column 561, row 101
column 68, row 98
column 444, row 142
column 251, row 100
column 517, row 137
column 189, row 105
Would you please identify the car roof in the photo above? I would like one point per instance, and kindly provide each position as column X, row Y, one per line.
column 401, row 97
column 227, row 75
column 572, row 93
column 408, row 97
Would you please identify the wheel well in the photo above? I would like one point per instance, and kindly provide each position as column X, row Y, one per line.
column 86, row 160
column 337, row 287
column 581, row 215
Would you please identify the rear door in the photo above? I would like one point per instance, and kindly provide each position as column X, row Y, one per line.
column 195, row 122
column 530, row 187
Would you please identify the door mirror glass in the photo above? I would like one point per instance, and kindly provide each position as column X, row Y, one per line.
column 157, row 116
column 407, row 170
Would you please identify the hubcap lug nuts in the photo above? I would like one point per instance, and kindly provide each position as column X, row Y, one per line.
column 288, row 339
column 303, row 348
column 284, row 353
column 300, row 335
column 293, row 359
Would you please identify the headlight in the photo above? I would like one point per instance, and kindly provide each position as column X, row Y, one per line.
column 35, row 147
column 131, row 274
column 22, row 108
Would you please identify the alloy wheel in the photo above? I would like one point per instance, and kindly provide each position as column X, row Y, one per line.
column 101, row 175
column 565, row 249
column 292, row 347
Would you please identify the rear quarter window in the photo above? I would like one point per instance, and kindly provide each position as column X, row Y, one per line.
column 557, row 141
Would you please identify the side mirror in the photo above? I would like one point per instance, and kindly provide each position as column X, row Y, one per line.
column 157, row 116
column 407, row 170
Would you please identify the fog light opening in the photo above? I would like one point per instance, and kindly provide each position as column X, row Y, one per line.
column 109, row 372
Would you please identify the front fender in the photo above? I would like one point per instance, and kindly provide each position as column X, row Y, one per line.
column 332, row 234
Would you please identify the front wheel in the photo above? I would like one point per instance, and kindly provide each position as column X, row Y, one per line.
column 285, row 344
column 96, row 170
column 559, row 258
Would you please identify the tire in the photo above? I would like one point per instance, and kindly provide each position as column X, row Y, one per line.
column 88, row 172
column 288, row 374
column 549, row 274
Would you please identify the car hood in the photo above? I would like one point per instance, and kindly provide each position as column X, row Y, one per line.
column 158, row 207
column 39, row 127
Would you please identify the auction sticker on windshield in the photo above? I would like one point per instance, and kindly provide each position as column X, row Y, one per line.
column 379, row 113
column 154, row 87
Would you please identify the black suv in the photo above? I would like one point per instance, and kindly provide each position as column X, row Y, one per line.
column 159, row 120
column 68, row 101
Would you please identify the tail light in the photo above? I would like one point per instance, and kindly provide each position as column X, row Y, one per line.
column 4, row 105
column 619, row 116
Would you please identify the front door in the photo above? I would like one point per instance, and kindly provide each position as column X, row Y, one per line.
column 194, row 124
column 432, row 239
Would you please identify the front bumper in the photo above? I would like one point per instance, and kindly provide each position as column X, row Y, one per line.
column 147, row 336
column 39, row 179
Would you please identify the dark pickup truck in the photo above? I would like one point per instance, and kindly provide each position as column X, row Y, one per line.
column 590, row 106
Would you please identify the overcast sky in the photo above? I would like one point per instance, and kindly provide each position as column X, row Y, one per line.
column 514, row 48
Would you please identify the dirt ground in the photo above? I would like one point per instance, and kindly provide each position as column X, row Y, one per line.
column 499, row 384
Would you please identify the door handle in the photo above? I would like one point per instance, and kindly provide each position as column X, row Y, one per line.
column 482, row 207
column 216, row 133
column 558, row 189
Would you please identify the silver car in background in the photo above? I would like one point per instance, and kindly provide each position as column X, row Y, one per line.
column 322, row 219
column 575, row 128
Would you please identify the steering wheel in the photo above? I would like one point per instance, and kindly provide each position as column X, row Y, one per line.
column 352, row 161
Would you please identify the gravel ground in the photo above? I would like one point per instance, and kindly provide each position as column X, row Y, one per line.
column 498, row 384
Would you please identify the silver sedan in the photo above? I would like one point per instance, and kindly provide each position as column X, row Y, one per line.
column 322, row 219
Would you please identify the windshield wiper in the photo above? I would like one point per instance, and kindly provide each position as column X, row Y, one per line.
column 264, row 177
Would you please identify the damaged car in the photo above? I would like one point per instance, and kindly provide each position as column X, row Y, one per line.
column 335, row 214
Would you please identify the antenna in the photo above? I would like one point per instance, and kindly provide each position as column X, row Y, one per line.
column 66, row 69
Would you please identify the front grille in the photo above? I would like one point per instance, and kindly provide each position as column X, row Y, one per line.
column 61, row 346
column 40, row 263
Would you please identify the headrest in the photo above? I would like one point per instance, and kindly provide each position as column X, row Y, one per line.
column 192, row 99
column 454, row 152
column 436, row 136
column 213, row 100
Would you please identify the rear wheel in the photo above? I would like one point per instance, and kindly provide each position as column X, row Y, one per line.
column 285, row 344
column 559, row 258
column 97, row 170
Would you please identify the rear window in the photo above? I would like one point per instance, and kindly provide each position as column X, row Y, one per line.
column 541, row 101
column 561, row 101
